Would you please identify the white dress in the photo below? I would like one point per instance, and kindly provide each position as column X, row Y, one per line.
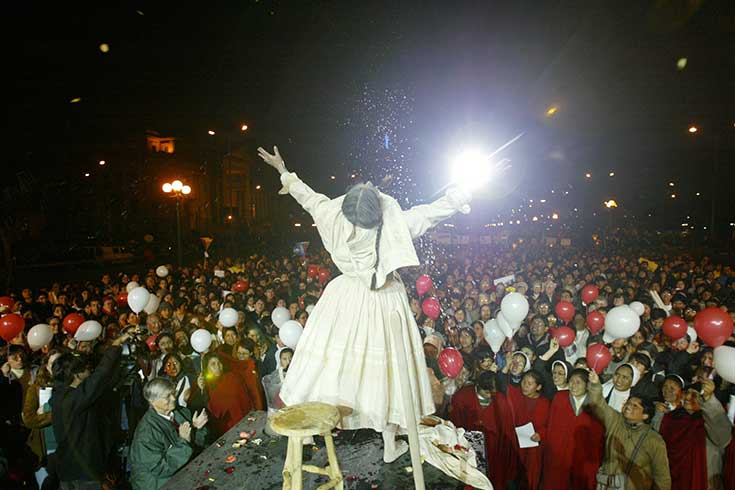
column 345, row 356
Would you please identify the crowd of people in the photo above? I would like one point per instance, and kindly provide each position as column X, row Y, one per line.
column 135, row 405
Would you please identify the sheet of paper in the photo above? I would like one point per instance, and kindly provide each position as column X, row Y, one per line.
column 524, row 433
column 44, row 395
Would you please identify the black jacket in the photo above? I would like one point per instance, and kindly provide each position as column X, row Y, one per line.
column 83, row 429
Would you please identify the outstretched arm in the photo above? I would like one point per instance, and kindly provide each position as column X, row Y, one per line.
column 312, row 202
column 422, row 218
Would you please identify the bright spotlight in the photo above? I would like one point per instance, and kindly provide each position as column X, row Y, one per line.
column 471, row 169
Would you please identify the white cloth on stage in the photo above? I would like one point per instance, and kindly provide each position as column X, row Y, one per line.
column 344, row 356
column 458, row 463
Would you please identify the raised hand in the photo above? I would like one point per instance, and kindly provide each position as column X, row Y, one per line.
column 273, row 160
column 593, row 377
column 185, row 431
column 200, row 420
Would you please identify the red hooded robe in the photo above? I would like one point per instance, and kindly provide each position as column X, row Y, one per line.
column 573, row 448
column 686, row 444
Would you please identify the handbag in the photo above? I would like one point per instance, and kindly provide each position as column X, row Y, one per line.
column 617, row 482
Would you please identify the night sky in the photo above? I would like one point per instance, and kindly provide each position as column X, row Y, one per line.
column 397, row 87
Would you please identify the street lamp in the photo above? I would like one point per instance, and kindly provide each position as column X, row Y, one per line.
column 177, row 190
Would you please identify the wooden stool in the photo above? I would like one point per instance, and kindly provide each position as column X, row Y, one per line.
column 301, row 421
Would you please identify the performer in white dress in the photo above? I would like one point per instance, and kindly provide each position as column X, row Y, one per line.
column 345, row 356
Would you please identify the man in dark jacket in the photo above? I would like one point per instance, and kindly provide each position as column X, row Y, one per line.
column 165, row 438
column 80, row 421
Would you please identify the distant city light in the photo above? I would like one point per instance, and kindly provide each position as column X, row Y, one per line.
column 102, row 162
column 104, row 47
column 681, row 63
column 543, row 200
column 333, row 177
column 693, row 129
column 257, row 187
column 86, row 174
column 75, row 100
column 211, row 133
column 229, row 216
column 353, row 176
column 673, row 196
column 699, row 194
column 671, row 184
column 518, row 222
column 297, row 225
column 611, row 204
column 555, row 216
column 611, row 174
column 551, row 111
column 244, row 127
column 588, row 175
column 535, row 218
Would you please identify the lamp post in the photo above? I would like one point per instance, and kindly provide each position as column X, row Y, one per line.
column 177, row 190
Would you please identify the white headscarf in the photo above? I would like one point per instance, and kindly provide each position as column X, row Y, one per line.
column 618, row 398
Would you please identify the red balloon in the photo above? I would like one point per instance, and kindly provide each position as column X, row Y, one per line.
column 451, row 362
column 564, row 335
column 598, row 357
column 71, row 322
column 595, row 321
column 713, row 326
column 590, row 293
column 240, row 286
column 565, row 311
column 675, row 327
column 324, row 275
column 151, row 342
column 122, row 299
column 10, row 326
column 312, row 271
column 423, row 284
column 6, row 303
column 431, row 308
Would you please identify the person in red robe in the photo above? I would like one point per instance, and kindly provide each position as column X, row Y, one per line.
column 685, row 432
column 528, row 406
column 222, row 393
column 477, row 408
column 242, row 363
column 574, row 444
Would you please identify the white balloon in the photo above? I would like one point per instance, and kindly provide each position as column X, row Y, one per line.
column 88, row 330
column 39, row 336
column 138, row 298
column 152, row 305
column 638, row 307
column 290, row 333
column 131, row 285
column 607, row 338
column 621, row 322
column 161, row 271
column 692, row 334
column 200, row 340
column 515, row 307
column 506, row 326
column 309, row 309
column 228, row 317
column 725, row 362
column 493, row 335
column 280, row 316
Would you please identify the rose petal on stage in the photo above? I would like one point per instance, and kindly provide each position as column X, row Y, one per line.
column 236, row 445
column 244, row 435
column 229, row 469
column 230, row 459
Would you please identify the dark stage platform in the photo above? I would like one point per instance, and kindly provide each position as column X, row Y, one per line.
column 258, row 465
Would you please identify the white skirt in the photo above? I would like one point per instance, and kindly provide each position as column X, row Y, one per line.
column 346, row 356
